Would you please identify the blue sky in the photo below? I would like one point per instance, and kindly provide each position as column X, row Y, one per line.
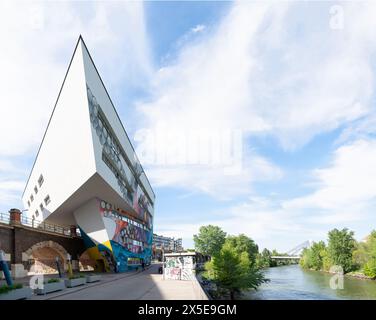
column 293, row 82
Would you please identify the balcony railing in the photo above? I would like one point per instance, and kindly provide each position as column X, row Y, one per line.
column 40, row 225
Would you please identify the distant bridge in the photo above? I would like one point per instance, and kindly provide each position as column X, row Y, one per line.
column 285, row 257
column 295, row 253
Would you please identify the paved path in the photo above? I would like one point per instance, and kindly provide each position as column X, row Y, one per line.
column 133, row 286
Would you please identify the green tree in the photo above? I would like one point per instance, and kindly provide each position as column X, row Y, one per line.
column 341, row 244
column 264, row 259
column 242, row 243
column 313, row 257
column 360, row 255
column 210, row 240
column 369, row 267
column 233, row 271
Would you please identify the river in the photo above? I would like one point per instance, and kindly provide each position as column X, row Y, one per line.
column 294, row 283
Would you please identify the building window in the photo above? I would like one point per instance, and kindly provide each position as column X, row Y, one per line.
column 41, row 207
column 31, row 198
column 47, row 200
column 36, row 213
column 35, row 189
column 40, row 180
column 28, row 203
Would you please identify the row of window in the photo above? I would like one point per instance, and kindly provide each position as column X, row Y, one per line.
column 40, row 182
column 47, row 200
column 120, row 178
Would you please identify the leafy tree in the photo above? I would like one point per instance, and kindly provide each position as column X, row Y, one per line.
column 360, row 255
column 313, row 258
column 210, row 240
column 242, row 243
column 232, row 270
column 369, row 267
column 341, row 245
column 264, row 259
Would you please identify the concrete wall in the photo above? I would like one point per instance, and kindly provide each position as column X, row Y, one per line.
column 199, row 291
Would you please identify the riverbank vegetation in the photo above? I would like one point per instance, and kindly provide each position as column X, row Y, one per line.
column 233, row 265
column 358, row 258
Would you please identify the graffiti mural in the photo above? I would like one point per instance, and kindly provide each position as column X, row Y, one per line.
column 132, row 239
column 128, row 244
column 180, row 267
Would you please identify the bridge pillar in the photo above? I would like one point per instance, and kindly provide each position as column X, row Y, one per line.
column 73, row 231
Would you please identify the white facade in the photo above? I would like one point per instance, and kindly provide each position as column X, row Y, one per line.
column 86, row 157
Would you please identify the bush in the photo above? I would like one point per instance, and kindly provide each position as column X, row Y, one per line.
column 6, row 288
column 53, row 280
column 370, row 268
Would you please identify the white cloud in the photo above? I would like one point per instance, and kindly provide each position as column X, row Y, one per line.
column 347, row 186
column 213, row 180
column 198, row 28
column 262, row 219
column 266, row 70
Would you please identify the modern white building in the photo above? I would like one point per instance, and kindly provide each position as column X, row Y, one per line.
column 87, row 173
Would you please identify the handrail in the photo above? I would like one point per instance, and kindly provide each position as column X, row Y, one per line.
column 4, row 217
column 40, row 225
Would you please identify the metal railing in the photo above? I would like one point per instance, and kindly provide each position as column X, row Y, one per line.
column 4, row 217
column 40, row 225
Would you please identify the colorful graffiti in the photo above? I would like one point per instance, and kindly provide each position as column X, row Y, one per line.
column 130, row 234
column 180, row 267
column 128, row 240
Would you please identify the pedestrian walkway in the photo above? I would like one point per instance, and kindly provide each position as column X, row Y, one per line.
column 140, row 285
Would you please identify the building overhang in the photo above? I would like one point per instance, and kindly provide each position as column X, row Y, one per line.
column 94, row 187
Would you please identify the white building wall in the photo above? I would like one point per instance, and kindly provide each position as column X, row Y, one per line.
column 66, row 157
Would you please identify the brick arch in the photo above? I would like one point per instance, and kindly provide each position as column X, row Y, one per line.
column 43, row 255
column 49, row 244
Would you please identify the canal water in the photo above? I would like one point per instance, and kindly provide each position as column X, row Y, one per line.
column 294, row 283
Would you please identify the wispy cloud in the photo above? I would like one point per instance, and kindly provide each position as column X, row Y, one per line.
column 198, row 28
column 348, row 184
column 268, row 71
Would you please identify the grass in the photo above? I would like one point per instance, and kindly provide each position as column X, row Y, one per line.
column 5, row 288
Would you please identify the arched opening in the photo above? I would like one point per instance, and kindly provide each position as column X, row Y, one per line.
column 86, row 263
column 41, row 258
column 97, row 260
